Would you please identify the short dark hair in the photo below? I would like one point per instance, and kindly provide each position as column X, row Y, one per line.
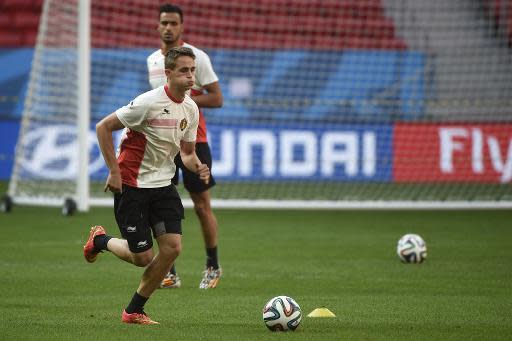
column 170, row 8
column 176, row 52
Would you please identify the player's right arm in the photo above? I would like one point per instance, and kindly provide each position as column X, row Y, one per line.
column 104, row 130
column 130, row 116
column 192, row 162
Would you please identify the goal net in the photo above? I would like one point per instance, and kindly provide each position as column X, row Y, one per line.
column 327, row 103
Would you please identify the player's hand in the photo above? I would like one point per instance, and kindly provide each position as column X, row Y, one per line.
column 114, row 183
column 204, row 172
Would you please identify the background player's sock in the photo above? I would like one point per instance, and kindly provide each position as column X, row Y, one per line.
column 211, row 258
column 173, row 270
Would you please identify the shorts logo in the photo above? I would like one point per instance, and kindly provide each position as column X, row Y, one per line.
column 131, row 228
column 183, row 124
column 142, row 244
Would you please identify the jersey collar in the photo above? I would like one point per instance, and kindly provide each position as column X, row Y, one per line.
column 171, row 97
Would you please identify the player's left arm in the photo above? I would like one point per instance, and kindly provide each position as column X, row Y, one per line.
column 192, row 162
column 212, row 98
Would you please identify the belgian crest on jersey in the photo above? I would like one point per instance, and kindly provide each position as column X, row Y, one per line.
column 183, row 124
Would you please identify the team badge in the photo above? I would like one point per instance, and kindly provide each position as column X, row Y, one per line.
column 183, row 124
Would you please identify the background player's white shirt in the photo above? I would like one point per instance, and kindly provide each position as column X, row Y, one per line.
column 157, row 124
column 204, row 69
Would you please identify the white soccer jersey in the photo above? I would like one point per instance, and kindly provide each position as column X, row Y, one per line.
column 156, row 124
column 204, row 69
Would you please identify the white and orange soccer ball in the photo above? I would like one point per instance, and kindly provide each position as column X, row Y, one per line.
column 282, row 313
column 411, row 248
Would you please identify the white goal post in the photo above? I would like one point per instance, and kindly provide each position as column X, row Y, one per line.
column 369, row 104
column 84, row 112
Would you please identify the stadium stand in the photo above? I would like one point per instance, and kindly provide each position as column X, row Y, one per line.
column 316, row 24
column 19, row 21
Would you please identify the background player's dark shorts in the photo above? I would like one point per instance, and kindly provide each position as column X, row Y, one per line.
column 140, row 211
column 190, row 179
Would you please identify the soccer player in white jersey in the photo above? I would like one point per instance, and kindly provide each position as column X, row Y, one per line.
column 206, row 93
column 160, row 123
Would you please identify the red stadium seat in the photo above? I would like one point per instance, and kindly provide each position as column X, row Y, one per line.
column 30, row 38
column 17, row 5
column 37, row 5
column 11, row 39
column 5, row 21
column 26, row 20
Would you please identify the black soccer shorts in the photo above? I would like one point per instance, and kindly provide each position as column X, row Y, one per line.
column 191, row 180
column 142, row 211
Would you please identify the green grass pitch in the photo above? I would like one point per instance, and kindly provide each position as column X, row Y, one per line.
column 342, row 260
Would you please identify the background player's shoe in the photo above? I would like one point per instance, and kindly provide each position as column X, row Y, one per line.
column 210, row 279
column 137, row 318
column 90, row 253
column 170, row 281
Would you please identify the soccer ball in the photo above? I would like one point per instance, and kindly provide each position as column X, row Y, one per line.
column 282, row 313
column 411, row 248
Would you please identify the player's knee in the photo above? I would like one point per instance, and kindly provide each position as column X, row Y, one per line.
column 142, row 259
column 202, row 207
column 171, row 250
